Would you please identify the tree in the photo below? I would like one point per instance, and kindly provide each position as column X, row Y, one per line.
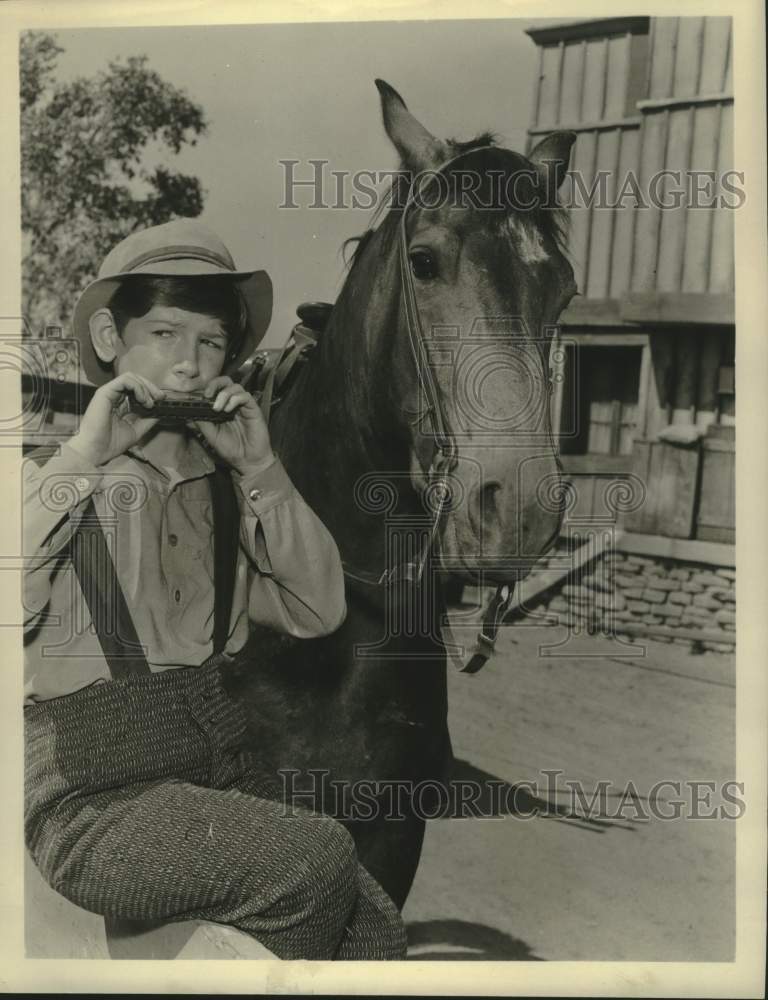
column 94, row 167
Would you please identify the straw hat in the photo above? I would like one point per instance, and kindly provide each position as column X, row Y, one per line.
column 181, row 248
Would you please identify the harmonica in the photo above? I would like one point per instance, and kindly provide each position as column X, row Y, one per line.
column 178, row 407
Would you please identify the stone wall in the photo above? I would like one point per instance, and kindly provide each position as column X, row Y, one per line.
column 651, row 595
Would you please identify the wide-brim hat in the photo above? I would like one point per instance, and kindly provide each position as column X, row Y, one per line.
column 183, row 248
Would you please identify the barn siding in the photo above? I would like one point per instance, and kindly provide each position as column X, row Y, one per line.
column 650, row 96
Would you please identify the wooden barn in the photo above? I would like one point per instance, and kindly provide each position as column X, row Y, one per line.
column 648, row 346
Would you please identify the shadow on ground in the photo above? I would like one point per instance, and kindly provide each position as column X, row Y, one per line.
column 477, row 793
column 462, row 941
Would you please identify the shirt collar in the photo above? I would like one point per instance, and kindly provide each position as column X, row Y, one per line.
column 196, row 463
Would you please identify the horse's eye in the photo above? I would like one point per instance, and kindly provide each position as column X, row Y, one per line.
column 423, row 264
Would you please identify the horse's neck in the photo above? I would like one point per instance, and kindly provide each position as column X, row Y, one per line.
column 336, row 426
column 341, row 422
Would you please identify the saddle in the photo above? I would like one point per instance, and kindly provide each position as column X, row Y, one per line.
column 269, row 373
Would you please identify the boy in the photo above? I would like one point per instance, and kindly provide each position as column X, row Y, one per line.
column 141, row 802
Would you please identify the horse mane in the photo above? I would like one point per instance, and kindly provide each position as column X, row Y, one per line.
column 482, row 140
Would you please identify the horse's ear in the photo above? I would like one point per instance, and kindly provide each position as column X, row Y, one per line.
column 418, row 148
column 551, row 157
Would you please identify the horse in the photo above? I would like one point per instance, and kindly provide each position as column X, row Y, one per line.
column 418, row 431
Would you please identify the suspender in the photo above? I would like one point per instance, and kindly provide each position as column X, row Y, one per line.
column 226, row 528
column 105, row 598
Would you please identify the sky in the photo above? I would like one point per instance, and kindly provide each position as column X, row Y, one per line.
column 306, row 91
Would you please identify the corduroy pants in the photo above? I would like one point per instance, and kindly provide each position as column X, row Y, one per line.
column 141, row 804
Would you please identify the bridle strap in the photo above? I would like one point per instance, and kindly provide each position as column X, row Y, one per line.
column 445, row 443
column 485, row 643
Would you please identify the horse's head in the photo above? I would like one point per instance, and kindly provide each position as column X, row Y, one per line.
column 488, row 276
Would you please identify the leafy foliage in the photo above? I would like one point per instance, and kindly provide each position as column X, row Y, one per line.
column 94, row 167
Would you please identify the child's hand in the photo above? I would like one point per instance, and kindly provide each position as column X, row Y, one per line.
column 242, row 442
column 108, row 428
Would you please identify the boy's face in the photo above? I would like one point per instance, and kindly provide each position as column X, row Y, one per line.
column 173, row 348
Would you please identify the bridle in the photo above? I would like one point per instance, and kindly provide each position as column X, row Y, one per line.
column 443, row 461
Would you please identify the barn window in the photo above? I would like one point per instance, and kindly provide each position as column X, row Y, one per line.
column 600, row 402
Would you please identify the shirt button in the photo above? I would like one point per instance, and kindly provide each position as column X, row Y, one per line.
column 255, row 494
column 173, row 539
column 81, row 484
column 177, row 596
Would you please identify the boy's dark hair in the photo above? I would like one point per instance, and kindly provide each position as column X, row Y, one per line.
column 208, row 294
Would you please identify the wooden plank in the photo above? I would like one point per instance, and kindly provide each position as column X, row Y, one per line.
column 561, row 52
column 672, row 229
column 678, row 307
column 601, row 509
column 660, row 383
column 631, row 122
column 673, row 481
column 578, row 243
column 567, row 426
column 706, row 393
column 691, row 101
column 617, row 71
column 663, row 42
column 600, row 242
column 643, row 388
column 546, row 34
column 708, row 533
column 642, row 518
column 698, row 221
column 670, row 482
column 728, row 81
column 584, row 489
column 593, row 95
column 726, row 380
column 618, row 338
column 573, row 70
column 627, row 427
column 585, row 464
column 536, row 98
column 716, row 442
column 550, row 84
column 687, row 371
column 717, row 434
column 717, row 503
column 690, row 35
column 714, row 57
column 648, row 221
column 592, row 312
column 685, row 550
column 557, row 350
column 721, row 264
column 624, row 217
column 638, row 75
column 599, row 436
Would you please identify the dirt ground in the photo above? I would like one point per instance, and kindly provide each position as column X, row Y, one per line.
column 614, row 886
